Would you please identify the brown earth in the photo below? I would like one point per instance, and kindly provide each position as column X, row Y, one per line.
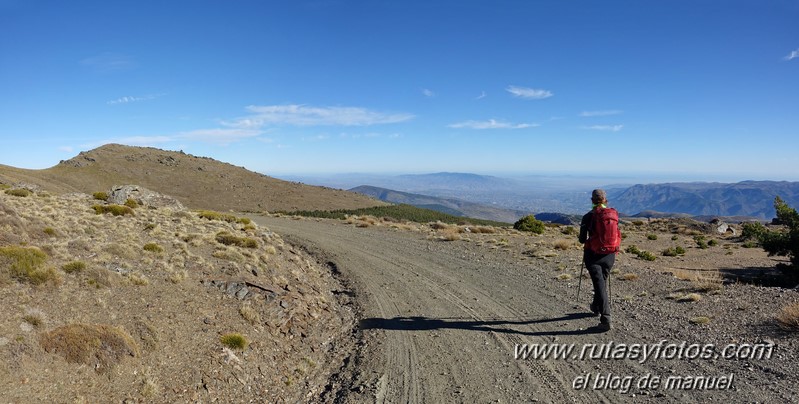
column 440, row 320
column 134, row 308
column 198, row 182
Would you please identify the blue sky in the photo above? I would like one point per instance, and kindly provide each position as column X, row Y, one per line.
column 701, row 89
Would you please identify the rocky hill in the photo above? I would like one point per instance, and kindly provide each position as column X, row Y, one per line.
column 198, row 182
column 146, row 303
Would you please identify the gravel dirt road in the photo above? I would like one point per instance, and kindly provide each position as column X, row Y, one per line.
column 442, row 322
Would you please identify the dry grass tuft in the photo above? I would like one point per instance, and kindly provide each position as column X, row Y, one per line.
column 700, row 320
column 250, row 314
column 99, row 346
column 563, row 277
column 788, row 318
column 563, row 244
column 629, row 277
column 689, row 297
column 234, row 341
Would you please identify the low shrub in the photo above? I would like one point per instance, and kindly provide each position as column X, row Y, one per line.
column 226, row 238
column 131, row 203
column 153, row 247
column 50, row 231
column 234, row 341
column 632, row 250
column 652, row 236
column 647, row 256
column 19, row 192
column 116, row 210
column 213, row 215
column 74, row 266
column 100, row 347
column 25, row 264
column 100, row 196
column 530, row 224
column 629, row 277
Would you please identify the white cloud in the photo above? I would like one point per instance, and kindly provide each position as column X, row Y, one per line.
column 481, row 96
column 793, row 55
column 428, row 93
column 67, row 149
column 608, row 128
column 125, row 100
column 302, row 115
column 529, row 93
column 601, row 113
column 491, row 124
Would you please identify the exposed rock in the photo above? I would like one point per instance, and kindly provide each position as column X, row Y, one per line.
column 143, row 196
column 723, row 228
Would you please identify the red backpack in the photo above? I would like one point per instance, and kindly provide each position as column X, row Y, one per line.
column 604, row 235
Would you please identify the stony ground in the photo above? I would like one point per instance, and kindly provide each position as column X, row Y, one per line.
column 443, row 309
column 134, row 308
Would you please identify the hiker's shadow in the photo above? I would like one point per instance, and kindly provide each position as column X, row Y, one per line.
column 499, row 326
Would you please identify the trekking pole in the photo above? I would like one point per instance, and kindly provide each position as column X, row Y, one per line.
column 579, row 283
column 609, row 294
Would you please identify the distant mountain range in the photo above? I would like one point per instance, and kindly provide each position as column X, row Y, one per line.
column 507, row 200
column 748, row 198
column 452, row 206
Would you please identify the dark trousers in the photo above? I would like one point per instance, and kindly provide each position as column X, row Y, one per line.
column 599, row 268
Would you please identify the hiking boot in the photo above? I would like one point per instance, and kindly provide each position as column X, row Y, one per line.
column 603, row 327
column 594, row 309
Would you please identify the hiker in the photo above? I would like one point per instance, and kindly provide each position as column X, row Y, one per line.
column 599, row 230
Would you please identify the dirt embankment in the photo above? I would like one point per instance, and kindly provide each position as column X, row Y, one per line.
column 443, row 321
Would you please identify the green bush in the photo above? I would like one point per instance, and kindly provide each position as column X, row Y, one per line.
column 74, row 266
column 647, row 256
column 26, row 264
column 234, row 341
column 632, row 250
column 652, row 236
column 100, row 196
column 753, row 231
column 785, row 242
column 19, row 192
column 529, row 223
column 131, row 203
column 712, row 243
column 153, row 247
column 116, row 210
column 229, row 239
column 673, row 251
column 213, row 215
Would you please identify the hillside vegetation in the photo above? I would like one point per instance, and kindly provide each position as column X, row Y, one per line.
column 198, row 182
column 147, row 304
